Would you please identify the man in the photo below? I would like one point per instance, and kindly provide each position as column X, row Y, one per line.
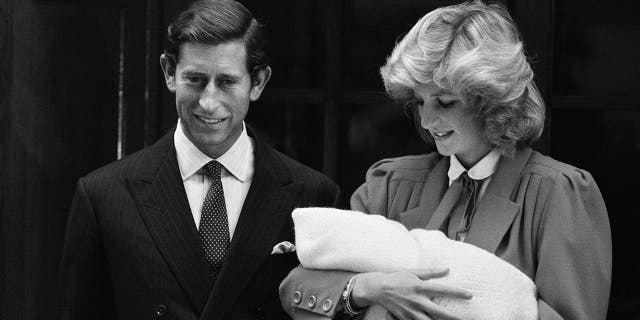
column 186, row 228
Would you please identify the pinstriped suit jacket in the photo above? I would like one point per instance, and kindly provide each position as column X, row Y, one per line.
column 132, row 250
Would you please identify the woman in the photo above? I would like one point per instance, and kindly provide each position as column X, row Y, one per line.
column 462, row 71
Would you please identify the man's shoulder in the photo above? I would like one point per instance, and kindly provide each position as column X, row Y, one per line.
column 319, row 189
column 130, row 166
column 299, row 172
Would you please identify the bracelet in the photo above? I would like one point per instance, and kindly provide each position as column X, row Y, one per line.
column 346, row 299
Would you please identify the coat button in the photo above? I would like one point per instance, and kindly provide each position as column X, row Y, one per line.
column 311, row 302
column 297, row 297
column 260, row 313
column 161, row 310
column 326, row 305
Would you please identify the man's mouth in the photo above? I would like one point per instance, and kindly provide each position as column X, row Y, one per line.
column 211, row 120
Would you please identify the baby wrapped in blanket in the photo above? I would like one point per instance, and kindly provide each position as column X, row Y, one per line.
column 328, row 238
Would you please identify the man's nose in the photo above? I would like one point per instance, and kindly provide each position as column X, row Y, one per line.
column 209, row 98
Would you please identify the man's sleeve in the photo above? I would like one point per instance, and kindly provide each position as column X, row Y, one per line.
column 573, row 274
column 84, row 289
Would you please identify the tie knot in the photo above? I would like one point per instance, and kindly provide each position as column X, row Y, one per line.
column 467, row 181
column 212, row 169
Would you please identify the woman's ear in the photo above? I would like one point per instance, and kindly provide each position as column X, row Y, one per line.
column 259, row 80
column 168, row 64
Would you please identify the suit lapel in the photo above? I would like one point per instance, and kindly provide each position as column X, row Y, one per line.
column 163, row 205
column 432, row 192
column 496, row 212
column 265, row 213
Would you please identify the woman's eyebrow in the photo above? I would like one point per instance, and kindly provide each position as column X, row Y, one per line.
column 442, row 92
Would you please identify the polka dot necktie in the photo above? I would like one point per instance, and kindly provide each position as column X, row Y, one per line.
column 214, row 224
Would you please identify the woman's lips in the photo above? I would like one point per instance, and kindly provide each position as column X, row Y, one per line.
column 441, row 135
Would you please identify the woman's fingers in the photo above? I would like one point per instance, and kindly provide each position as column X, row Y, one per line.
column 431, row 289
column 430, row 273
column 439, row 290
column 406, row 296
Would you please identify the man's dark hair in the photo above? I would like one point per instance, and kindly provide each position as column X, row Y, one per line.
column 217, row 21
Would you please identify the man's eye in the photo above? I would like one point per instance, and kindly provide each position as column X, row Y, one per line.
column 445, row 104
column 226, row 82
column 195, row 79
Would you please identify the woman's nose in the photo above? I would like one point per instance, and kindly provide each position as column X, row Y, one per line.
column 428, row 118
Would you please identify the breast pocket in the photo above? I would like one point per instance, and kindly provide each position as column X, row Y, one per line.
column 267, row 280
column 282, row 263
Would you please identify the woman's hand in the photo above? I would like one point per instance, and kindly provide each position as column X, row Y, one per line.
column 405, row 295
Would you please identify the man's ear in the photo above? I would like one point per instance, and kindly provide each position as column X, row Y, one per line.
column 258, row 81
column 168, row 64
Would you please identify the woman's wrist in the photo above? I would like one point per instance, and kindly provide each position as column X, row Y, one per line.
column 363, row 293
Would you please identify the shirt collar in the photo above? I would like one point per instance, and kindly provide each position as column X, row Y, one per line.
column 237, row 160
column 480, row 171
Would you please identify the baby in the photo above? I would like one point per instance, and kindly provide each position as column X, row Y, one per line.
column 328, row 238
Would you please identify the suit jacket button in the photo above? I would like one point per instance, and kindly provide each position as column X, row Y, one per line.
column 161, row 310
column 260, row 313
column 297, row 297
column 311, row 302
column 326, row 305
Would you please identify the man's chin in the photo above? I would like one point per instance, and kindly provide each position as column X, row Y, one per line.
column 214, row 144
column 210, row 142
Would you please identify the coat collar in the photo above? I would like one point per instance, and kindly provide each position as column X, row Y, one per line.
column 433, row 190
column 163, row 205
column 495, row 212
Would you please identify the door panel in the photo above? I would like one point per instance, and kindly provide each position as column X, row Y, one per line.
column 68, row 94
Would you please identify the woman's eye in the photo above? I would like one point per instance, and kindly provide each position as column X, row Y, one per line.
column 446, row 104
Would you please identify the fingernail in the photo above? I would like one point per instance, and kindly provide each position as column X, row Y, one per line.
column 468, row 295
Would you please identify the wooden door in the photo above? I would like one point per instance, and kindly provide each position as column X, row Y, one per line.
column 76, row 91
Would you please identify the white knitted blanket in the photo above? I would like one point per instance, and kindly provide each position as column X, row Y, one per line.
column 328, row 238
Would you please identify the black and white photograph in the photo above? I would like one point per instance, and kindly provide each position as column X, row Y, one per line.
column 319, row 159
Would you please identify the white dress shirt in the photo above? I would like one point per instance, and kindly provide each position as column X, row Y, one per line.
column 237, row 174
column 481, row 171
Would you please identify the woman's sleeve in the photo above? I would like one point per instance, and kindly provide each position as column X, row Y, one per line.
column 372, row 196
column 328, row 285
column 573, row 249
column 360, row 199
column 313, row 294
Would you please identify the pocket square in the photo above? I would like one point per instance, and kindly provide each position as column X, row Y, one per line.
column 283, row 247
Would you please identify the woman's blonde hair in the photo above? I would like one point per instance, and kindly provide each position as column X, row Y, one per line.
column 473, row 50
